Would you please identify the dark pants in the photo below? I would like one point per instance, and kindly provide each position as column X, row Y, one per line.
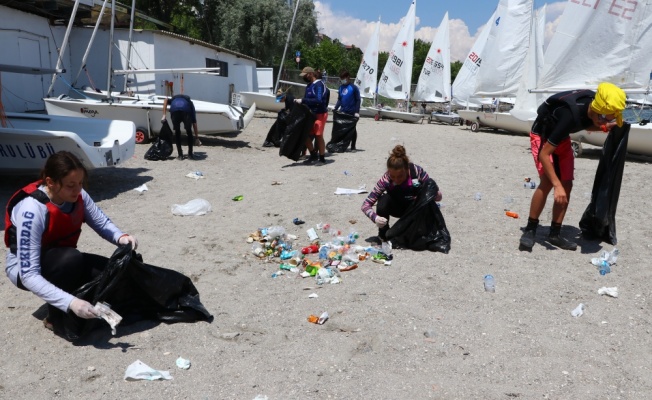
column 387, row 206
column 177, row 118
column 68, row 269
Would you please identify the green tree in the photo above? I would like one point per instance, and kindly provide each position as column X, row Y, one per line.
column 455, row 69
column 421, row 49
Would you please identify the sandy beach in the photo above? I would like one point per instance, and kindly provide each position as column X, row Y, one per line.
column 423, row 327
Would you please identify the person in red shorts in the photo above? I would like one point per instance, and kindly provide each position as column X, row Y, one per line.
column 559, row 116
column 316, row 98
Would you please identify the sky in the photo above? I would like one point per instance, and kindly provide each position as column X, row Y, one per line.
column 353, row 21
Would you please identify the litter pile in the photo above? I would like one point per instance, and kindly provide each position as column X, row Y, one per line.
column 322, row 259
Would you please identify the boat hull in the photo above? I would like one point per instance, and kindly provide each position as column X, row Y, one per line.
column 639, row 142
column 30, row 139
column 265, row 102
column 212, row 118
column 403, row 116
column 446, row 118
column 497, row 120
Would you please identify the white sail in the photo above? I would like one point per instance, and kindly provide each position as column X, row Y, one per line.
column 599, row 42
column 464, row 84
column 367, row 77
column 396, row 79
column 503, row 57
column 435, row 79
column 526, row 101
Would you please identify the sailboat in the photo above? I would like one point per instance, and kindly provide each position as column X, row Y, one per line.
column 597, row 44
column 396, row 79
column 434, row 83
column 27, row 139
column 366, row 78
column 503, row 59
column 145, row 113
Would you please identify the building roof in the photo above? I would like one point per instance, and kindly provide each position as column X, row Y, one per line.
column 206, row 44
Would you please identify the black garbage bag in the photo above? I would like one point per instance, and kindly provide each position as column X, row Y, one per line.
column 161, row 149
column 599, row 218
column 275, row 133
column 344, row 128
column 422, row 226
column 137, row 291
column 299, row 125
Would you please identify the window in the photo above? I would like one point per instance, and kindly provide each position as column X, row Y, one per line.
column 221, row 67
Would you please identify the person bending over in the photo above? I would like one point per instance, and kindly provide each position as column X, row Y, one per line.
column 182, row 109
column 43, row 222
column 395, row 191
column 558, row 117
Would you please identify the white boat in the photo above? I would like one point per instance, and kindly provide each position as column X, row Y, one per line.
column 396, row 79
column 446, row 117
column 262, row 101
column 571, row 61
column 212, row 118
column 495, row 120
column 29, row 139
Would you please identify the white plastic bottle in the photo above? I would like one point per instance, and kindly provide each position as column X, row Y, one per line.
column 489, row 283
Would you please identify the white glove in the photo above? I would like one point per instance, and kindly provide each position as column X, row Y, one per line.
column 162, row 119
column 197, row 142
column 126, row 239
column 83, row 309
column 439, row 196
column 298, row 101
column 380, row 221
column 356, row 115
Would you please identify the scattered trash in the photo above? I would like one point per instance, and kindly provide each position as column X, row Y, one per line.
column 511, row 214
column 529, row 183
column 606, row 260
column 347, row 173
column 193, row 207
column 313, row 295
column 578, row 311
column 489, row 284
column 182, row 363
column 313, row 319
column 106, row 313
column 90, row 368
column 609, row 291
column 142, row 188
column 478, row 196
column 238, row 198
column 276, row 183
column 277, row 274
column 138, row 370
column 340, row 190
column 353, row 221
column 312, row 235
column 261, row 397
column 322, row 318
column 195, row 174
column 297, row 221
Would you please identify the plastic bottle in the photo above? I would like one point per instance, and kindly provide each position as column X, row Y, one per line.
column 288, row 254
column 257, row 249
column 604, row 267
column 511, row 214
column 313, row 248
column 489, row 283
column 275, row 231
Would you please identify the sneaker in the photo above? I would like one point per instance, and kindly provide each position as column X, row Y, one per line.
column 192, row 157
column 47, row 324
column 562, row 243
column 527, row 239
column 321, row 161
column 180, row 158
column 311, row 159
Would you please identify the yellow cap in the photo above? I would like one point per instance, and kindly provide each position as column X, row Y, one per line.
column 609, row 99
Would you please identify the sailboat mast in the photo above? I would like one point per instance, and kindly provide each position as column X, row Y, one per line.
column 90, row 42
column 287, row 42
column 131, row 33
column 108, row 74
column 63, row 45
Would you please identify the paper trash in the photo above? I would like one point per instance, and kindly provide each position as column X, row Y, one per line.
column 578, row 311
column 195, row 175
column 106, row 313
column 142, row 188
column 183, row 363
column 349, row 191
column 609, row 291
column 138, row 370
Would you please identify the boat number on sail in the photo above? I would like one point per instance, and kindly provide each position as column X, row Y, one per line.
column 435, row 66
column 367, row 68
column 618, row 8
column 396, row 60
column 89, row 112
column 27, row 150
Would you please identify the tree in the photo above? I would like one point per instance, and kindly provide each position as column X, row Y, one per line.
column 455, row 69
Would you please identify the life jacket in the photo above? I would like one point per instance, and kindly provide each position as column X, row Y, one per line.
column 545, row 112
column 62, row 229
column 408, row 190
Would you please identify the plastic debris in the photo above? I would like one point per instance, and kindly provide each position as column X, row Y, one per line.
column 578, row 311
column 138, row 370
column 182, row 363
column 106, row 313
column 322, row 318
column 312, row 235
column 313, row 295
column 238, row 198
column 609, row 291
column 511, row 214
column 142, row 188
column 195, row 175
column 478, row 196
column 298, row 221
column 193, row 207
column 340, row 190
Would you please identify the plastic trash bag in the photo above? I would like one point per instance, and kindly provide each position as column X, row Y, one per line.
column 422, row 226
column 599, row 218
column 162, row 147
column 299, row 125
column 275, row 133
column 138, row 370
column 137, row 291
column 193, row 207
column 344, row 128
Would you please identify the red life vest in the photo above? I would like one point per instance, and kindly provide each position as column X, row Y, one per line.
column 62, row 229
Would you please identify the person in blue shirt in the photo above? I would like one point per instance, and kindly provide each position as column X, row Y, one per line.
column 348, row 100
column 316, row 98
column 182, row 109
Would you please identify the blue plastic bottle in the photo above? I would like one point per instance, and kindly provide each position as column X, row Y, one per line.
column 604, row 267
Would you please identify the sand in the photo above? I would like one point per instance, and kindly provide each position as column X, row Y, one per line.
column 421, row 328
